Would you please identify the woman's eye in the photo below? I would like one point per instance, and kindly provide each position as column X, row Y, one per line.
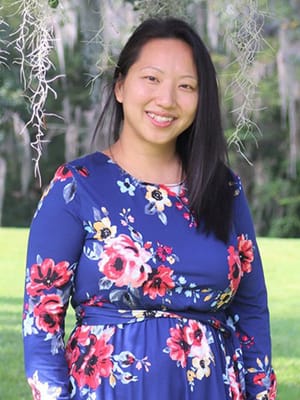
column 151, row 78
column 186, row 86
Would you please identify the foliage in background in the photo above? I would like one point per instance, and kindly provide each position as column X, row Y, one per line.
column 163, row 8
column 3, row 52
column 243, row 24
column 87, row 38
column 34, row 41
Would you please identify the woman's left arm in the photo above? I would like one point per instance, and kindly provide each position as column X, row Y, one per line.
column 249, row 309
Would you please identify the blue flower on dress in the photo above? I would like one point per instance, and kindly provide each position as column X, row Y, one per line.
column 126, row 187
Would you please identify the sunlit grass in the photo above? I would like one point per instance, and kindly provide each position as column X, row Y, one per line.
column 282, row 261
column 281, row 264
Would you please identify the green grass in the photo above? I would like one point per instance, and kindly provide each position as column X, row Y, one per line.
column 281, row 264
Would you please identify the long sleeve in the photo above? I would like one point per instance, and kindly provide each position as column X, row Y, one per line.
column 249, row 310
column 54, row 246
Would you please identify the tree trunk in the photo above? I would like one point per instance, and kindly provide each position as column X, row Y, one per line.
column 289, row 87
column 2, row 185
column 23, row 152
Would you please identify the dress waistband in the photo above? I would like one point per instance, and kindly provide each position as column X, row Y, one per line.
column 105, row 315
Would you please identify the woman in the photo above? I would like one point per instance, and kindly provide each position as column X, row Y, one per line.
column 153, row 242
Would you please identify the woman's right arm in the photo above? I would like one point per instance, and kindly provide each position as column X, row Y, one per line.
column 54, row 247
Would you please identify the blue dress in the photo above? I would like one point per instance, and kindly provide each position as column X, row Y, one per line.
column 163, row 310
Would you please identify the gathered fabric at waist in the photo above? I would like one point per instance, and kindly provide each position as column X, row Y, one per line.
column 107, row 314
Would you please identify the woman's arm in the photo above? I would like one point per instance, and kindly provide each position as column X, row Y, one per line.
column 54, row 247
column 249, row 309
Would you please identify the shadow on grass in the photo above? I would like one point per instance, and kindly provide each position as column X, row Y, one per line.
column 11, row 301
column 13, row 383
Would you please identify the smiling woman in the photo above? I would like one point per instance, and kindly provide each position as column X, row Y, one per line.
column 152, row 241
column 159, row 97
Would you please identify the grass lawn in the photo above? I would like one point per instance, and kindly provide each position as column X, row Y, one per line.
column 281, row 263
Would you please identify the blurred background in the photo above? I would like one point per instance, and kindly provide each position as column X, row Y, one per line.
column 56, row 60
column 256, row 49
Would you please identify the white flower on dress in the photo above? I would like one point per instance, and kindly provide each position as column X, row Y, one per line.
column 43, row 390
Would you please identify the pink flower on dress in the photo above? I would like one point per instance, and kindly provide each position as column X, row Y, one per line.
column 159, row 282
column 239, row 261
column 258, row 378
column 273, row 386
column 47, row 275
column 179, row 345
column 92, row 363
column 235, row 269
column 189, row 341
column 245, row 249
column 49, row 313
column 194, row 333
column 62, row 173
column 235, row 386
column 124, row 262
column 163, row 252
column 196, row 337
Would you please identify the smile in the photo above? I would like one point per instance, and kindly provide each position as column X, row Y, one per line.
column 160, row 118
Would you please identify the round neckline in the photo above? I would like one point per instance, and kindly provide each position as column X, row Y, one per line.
column 173, row 185
column 140, row 181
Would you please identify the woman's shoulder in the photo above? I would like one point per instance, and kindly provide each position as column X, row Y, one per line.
column 91, row 160
column 88, row 164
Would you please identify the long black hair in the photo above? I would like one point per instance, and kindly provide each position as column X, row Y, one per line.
column 202, row 147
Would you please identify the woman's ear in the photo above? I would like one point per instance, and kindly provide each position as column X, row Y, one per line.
column 119, row 89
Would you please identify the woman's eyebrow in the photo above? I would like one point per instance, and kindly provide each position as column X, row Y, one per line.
column 161, row 71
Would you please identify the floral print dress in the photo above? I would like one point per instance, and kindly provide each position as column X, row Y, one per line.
column 163, row 310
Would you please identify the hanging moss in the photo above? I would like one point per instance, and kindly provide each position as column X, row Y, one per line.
column 161, row 8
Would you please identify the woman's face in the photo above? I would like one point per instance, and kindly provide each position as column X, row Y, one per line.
column 159, row 94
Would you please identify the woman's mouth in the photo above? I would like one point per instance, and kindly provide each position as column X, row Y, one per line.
column 160, row 119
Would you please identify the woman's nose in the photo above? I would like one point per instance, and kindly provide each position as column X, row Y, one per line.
column 166, row 96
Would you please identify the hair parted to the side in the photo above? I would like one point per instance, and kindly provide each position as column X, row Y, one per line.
column 202, row 147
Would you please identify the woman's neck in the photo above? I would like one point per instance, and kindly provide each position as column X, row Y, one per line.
column 149, row 164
